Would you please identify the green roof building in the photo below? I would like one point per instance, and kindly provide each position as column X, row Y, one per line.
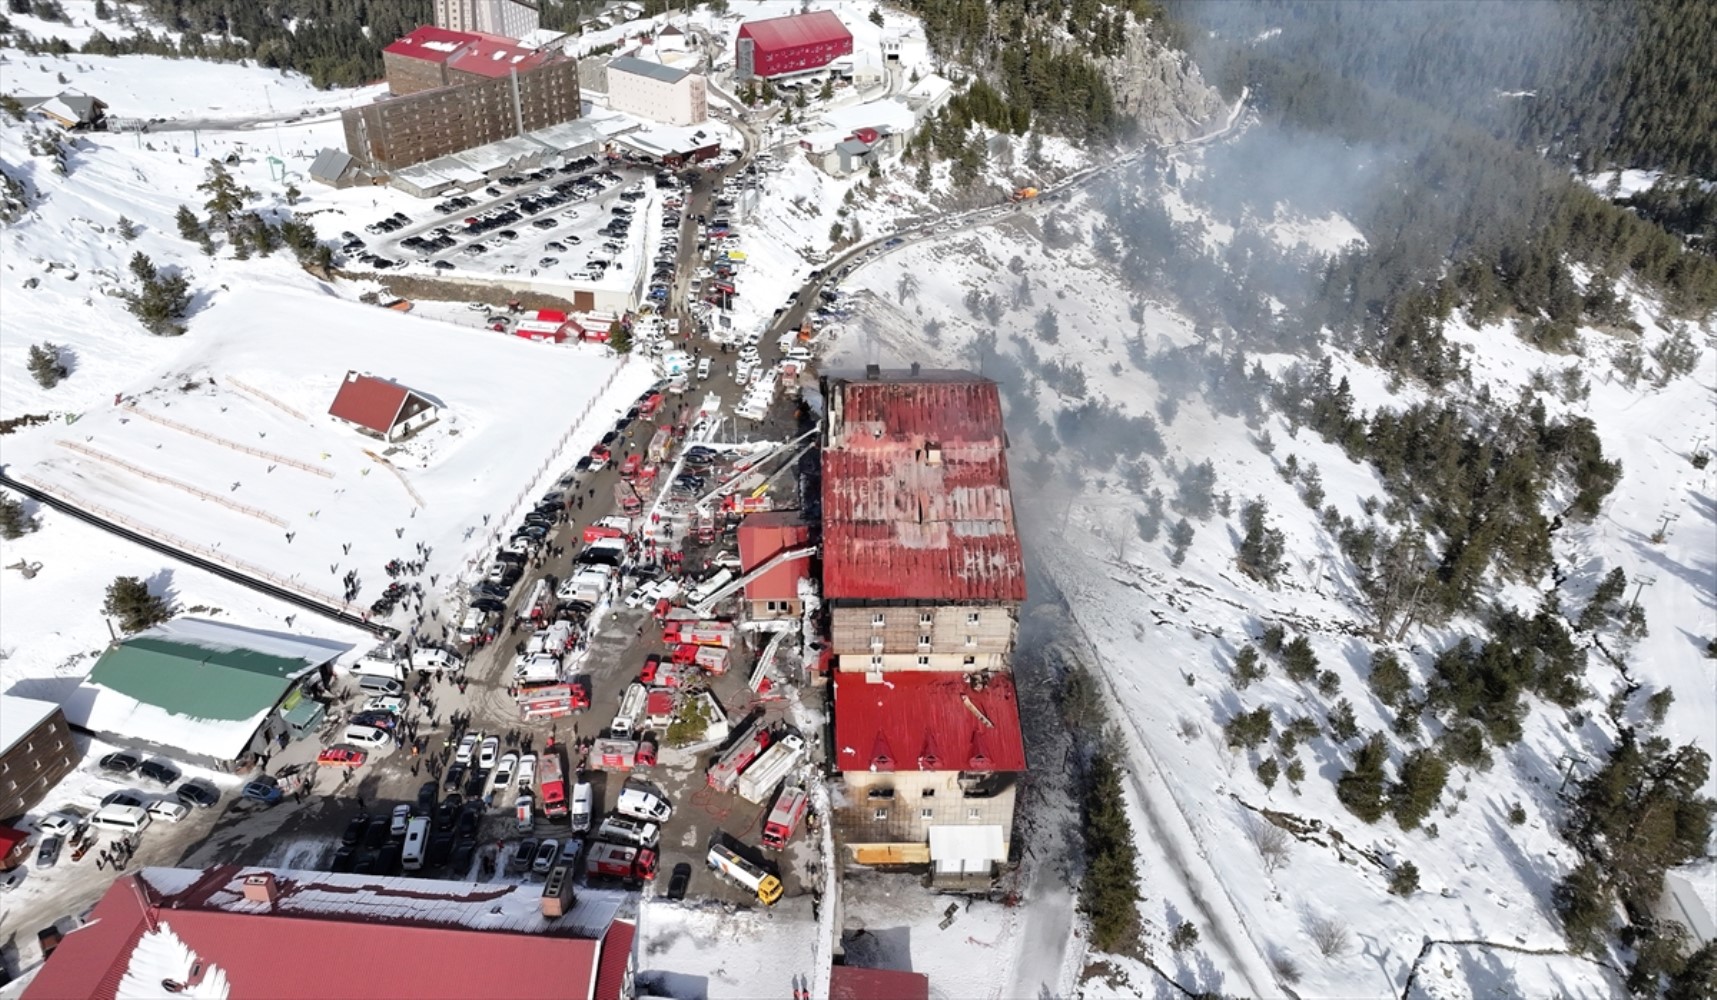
column 206, row 689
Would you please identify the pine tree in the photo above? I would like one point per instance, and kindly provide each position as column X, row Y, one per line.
column 1388, row 680
column 1360, row 789
column 14, row 522
column 1048, row 326
column 1298, row 660
column 1262, row 546
column 1180, row 537
column 129, row 600
column 127, row 229
column 1404, row 880
column 293, row 194
column 45, row 365
column 190, row 227
column 876, row 16
column 226, row 198
column 1248, row 730
column 1109, row 892
column 1248, row 667
column 142, row 268
column 1584, row 903
column 1423, row 775
column 13, row 108
column 1697, row 979
column 619, row 338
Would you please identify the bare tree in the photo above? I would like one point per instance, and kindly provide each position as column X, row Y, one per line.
column 907, row 287
column 1270, row 841
column 1329, row 933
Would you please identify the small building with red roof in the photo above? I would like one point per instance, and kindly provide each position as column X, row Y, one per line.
column 382, row 407
column 774, row 594
column 240, row 933
column 797, row 43
column 14, row 847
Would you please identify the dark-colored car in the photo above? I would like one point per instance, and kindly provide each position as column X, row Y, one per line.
column 681, row 879
column 470, row 818
column 478, row 780
column 198, row 793
column 464, row 848
column 354, row 830
column 345, row 856
column 125, row 797
column 494, row 605
column 392, row 852
column 426, row 795
column 121, row 762
column 440, row 849
column 451, row 784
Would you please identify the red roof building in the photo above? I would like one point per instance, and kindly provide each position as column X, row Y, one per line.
column 491, row 56
column 431, row 44
column 13, row 850
column 849, row 982
column 779, row 46
column 381, row 407
column 762, row 537
column 916, row 503
column 927, row 721
column 285, row 935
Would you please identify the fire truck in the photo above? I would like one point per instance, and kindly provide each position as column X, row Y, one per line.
column 622, row 755
column 622, row 862
column 550, row 701
column 724, row 771
column 784, row 818
column 549, row 774
column 702, row 633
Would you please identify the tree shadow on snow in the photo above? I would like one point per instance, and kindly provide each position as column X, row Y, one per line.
column 160, row 583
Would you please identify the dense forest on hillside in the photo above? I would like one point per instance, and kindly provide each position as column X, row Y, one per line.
column 1047, row 79
column 1594, row 84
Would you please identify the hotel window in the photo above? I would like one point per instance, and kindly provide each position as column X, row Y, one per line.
column 927, row 813
column 923, row 640
column 876, row 663
column 969, row 661
column 882, row 814
column 876, row 620
column 928, row 793
column 971, row 618
column 971, row 640
column 924, row 661
column 971, row 814
column 925, row 618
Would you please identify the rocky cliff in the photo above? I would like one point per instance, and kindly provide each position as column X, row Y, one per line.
column 1161, row 88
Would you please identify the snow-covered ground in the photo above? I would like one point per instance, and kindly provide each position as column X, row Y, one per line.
column 1193, row 800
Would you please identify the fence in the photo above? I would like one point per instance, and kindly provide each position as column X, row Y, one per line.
column 270, row 456
column 475, row 561
column 265, row 397
column 212, row 555
column 384, row 463
column 195, row 491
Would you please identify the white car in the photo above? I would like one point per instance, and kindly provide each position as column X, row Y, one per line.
column 489, row 751
column 504, row 770
column 467, row 745
column 401, row 819
column 527, row 772
column 384, row 703
column 58, row 824
column 640, row 594
column 703, row 368
column 169, row 811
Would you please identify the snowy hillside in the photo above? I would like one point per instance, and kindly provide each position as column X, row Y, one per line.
column 1312, row 911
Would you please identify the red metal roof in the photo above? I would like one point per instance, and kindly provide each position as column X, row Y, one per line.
column 761, row 538
column 849, row 982
column 927, row 721
column 616, row 953
column 494, row 56
column 816, row 28
column 916, row 504
column 286, row 955
column 369, row 402
column 11, row 839
column 431, row 44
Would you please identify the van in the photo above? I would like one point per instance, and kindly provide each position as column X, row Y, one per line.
column 369, row 667
column 365, row 736
column 581, row 802
column 473, row 624
column 120, row 819
column 371, row 684
column 436, row 660
column 416, row 838
column 641, row 803
column 625, row 830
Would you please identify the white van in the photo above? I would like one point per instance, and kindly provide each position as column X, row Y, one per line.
column 369, row 667
column 641, row 803
column 416, row 839
column 625, row 830
column 366, row 736
column 120, row 819
column 473, row 624
column 581, row 800
column 435, row 660
column 371, row 684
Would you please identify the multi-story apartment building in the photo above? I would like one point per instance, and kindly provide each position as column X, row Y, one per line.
column 476, row 109
column 495, row 17
column 923, row 579
column 657, row 92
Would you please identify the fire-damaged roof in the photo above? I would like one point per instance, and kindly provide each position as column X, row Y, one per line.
column 815, row 28
column 927, row 721
column 916, row 503
column 494, row 56
column 205, row 929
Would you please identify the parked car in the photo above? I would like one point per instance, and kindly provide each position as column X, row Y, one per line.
column 169, row 810
column 342, row 757
column 401, row 816
column 547, row 854
column 198, row 793
column 262, row 791
column 121, row 762
column 523, row 855
column 59, row 824
column 48, row 852
column 467, row 746
column 159, row 771
column 426, row 795
column 124, row 797
column 681, row 879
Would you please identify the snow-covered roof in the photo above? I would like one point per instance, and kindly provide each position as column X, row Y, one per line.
column 931, row 88
column 894, row 114
column 644, row 67
column 104, row 710
column 19, row 717
column 670, row 140
column 331, row 164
